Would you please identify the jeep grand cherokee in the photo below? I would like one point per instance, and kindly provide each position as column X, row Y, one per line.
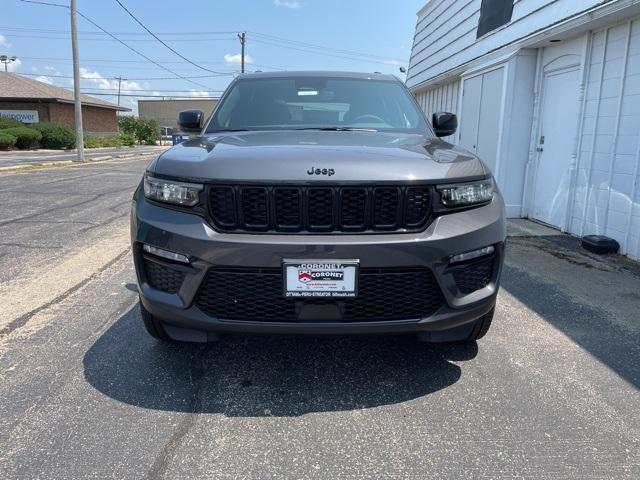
column 317, row 203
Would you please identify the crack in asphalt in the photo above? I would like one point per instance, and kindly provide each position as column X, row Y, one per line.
column 104, row 222
column 23, row 319
column 196, row 374
column 57, row 222
column 36, row 247
column 64, row 207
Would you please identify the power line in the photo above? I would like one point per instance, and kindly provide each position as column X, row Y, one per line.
column 98, row 60
column 161, row 41
column 86, row 39
column 140, row 53
column 119, row 41
column 322, row 47
column 98, row 89
column 327, row 54
column 272, row 38
column 130, row 79
column 95, row 32
column 168, row 96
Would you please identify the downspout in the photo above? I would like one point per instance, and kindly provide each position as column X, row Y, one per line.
column 535, row 127
column 573, row 167
column 616, row 129
column 593, row 134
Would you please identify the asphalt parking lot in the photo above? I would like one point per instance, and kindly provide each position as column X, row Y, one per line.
column 21, row 157
column 551, row 392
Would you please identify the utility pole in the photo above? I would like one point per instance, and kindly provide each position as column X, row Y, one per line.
column 76, row 81
column 243, row 37
column 119, row 83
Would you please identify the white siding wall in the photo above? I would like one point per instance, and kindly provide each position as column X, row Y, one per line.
column 607, row 198
column 443, row 98
column 445, row 35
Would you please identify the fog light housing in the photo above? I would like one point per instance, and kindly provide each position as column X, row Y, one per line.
column 481, row 252
column 159, row 252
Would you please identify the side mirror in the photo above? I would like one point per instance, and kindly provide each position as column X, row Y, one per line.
column 444, row 123
column 190, row 120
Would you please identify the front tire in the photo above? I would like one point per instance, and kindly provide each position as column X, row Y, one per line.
column 153, row 326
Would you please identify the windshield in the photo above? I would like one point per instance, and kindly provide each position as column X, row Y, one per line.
column 317, row 103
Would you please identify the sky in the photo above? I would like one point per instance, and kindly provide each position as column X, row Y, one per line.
column 352, row 35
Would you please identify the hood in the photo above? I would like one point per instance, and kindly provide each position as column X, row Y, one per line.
column 277, row 156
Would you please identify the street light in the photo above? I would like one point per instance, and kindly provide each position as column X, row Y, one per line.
column 7, row 60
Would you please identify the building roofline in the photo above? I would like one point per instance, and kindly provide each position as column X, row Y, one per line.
column 22, row 89
column 61, row 100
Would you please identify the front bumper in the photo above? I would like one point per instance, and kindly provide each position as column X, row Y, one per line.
column 191, row 235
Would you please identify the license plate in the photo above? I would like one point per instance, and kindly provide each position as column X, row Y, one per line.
column 320, row 278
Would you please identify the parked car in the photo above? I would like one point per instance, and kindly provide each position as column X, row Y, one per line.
column 319, row 203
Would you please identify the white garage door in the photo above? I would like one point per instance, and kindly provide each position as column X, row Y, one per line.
column 480, row 116
column 607, row 193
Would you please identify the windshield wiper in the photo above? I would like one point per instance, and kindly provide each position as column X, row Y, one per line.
column 339, row 129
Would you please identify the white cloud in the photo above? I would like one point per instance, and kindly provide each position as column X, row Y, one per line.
column 293, row 4
column 93, row 79
column 107, row 83
column 237, row 58
column 199, row 93
column 3, row 41
column 14, row 66
column 44, row 79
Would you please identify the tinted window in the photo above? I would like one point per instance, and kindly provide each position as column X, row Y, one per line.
column 310, row 102
column 494, row 14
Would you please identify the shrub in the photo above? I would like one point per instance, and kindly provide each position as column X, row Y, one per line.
column 97, row 142
column 55, row 135
column 91, row 142
column 26, row 137
column 110, row 141
column 6, row 122
column 7, row 140
column 128, row 139
column 128, row 125
column 145, row 129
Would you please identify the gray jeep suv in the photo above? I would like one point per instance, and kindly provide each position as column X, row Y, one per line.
column 322, row 203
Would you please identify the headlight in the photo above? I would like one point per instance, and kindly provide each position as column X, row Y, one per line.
column 465, row 194
column 170, row 191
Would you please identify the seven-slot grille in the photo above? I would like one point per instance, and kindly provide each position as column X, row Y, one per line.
column 319, row 208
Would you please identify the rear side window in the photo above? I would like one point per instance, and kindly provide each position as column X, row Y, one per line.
column 494, row 14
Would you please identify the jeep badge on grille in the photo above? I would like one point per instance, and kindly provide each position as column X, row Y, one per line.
column 321, row 171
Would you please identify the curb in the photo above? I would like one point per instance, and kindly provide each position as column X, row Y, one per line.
column 64, row 163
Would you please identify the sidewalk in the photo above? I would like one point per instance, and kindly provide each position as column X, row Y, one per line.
column 17, row 160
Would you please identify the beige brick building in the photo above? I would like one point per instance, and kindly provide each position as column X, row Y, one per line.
column 165, row 112
column 32, row 101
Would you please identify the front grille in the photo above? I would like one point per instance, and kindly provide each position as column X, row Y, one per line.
column 163, row 277
column 474, row 276
column 257, row 295
column 241, row 208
